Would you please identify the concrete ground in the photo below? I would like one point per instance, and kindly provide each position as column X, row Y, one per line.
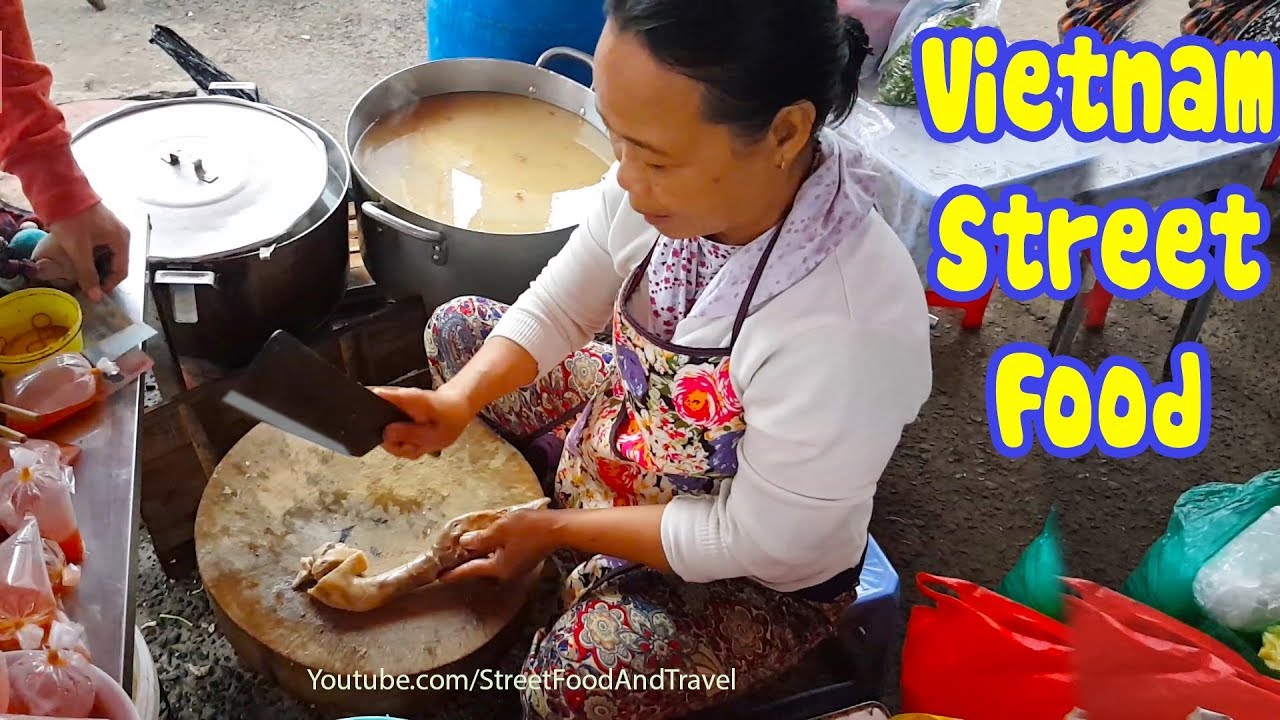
column 948, row 505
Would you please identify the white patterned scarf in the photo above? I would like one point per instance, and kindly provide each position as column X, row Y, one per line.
column 698, row 278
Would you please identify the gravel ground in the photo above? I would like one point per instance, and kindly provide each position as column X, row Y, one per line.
column 949, row 504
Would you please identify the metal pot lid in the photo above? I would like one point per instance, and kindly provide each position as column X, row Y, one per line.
column 215, row 175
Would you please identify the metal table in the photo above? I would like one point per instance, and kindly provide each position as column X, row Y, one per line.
column 106, row 504
column 919, row 169
column 1158, row 173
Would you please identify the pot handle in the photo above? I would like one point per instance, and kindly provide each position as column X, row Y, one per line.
column 230, row 88
column 574, row 53
column 439, row 253
column 182, row 284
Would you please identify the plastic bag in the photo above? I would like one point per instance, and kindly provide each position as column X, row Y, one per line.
column 63, row 576
column 1036, row 580
column 1240, row 586
column 67, row 455
column 65, row 385
column 1270, row 652
column 1204, row 520
column 68, row 635
column 978, row 655
column 57, row 384
column 53, row 682
column 43, row 489
column 1131, row 656
column 897, row 84
column 4, row 685
column 55, row 390
column 27, row 604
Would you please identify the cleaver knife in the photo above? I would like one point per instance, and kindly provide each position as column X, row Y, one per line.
column 290, row 387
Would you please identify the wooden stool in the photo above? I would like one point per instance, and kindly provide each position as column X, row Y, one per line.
column 275, row 498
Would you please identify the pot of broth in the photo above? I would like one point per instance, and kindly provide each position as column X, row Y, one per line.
column 470, row 174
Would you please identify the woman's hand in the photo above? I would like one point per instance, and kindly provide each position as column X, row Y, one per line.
column 514, row 546
column 67, row 256
column 439, row 419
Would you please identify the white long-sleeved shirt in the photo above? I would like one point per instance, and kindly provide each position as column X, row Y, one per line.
column 828, row 373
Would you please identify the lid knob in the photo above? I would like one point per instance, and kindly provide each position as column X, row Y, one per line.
column 175, row 160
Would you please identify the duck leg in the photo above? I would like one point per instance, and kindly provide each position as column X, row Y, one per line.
column 334, row 573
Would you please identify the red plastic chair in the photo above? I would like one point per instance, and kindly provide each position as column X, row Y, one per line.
column 974, row 310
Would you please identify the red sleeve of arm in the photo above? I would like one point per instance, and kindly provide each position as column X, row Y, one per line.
column 34, row 142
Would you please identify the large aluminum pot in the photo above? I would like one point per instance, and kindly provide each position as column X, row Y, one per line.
column 410, row 255
column 240, row 242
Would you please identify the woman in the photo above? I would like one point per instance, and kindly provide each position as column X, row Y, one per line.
column 36, row 147
column 769, row 341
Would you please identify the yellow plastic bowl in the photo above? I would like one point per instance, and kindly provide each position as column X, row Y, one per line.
column 36, row 324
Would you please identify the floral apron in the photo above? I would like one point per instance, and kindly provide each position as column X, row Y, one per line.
column 665, row 422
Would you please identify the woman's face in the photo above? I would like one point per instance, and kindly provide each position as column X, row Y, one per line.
column 687, row 176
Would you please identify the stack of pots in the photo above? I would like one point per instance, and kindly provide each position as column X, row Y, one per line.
column 242, row 209
column 410, row 255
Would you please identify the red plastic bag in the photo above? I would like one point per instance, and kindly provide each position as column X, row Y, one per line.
column 1131, row 656
column 980, row 656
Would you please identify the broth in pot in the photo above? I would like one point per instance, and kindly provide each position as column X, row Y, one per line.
column 487, row 161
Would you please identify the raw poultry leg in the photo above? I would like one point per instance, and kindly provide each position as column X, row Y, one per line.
column 335, row 572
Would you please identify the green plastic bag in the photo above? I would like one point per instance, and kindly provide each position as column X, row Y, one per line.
column 1036, row 579
column 1204, row 520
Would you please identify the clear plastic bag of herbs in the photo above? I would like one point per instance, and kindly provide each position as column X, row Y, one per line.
column 896, row 85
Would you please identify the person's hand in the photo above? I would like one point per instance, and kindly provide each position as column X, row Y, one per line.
column 513, row 546
column 67, row 256
column 439, row 419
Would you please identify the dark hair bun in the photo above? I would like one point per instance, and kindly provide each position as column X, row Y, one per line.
column 754, row 57
column 859, row 48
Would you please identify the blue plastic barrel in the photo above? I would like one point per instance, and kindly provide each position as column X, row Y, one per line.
column 514, row 30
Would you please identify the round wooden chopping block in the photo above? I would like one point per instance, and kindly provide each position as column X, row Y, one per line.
column 275, row 498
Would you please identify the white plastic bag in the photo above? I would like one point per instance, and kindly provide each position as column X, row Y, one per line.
column 1240, row 586
column 896, row 85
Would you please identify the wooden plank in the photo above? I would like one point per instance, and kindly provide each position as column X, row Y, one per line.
column 173, row 479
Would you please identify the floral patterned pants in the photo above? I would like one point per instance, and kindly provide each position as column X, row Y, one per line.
column 631, row 643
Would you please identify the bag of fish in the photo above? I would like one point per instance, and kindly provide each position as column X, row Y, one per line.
column 897, row 85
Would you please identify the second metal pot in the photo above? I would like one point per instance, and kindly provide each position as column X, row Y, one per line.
column 411, row 255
